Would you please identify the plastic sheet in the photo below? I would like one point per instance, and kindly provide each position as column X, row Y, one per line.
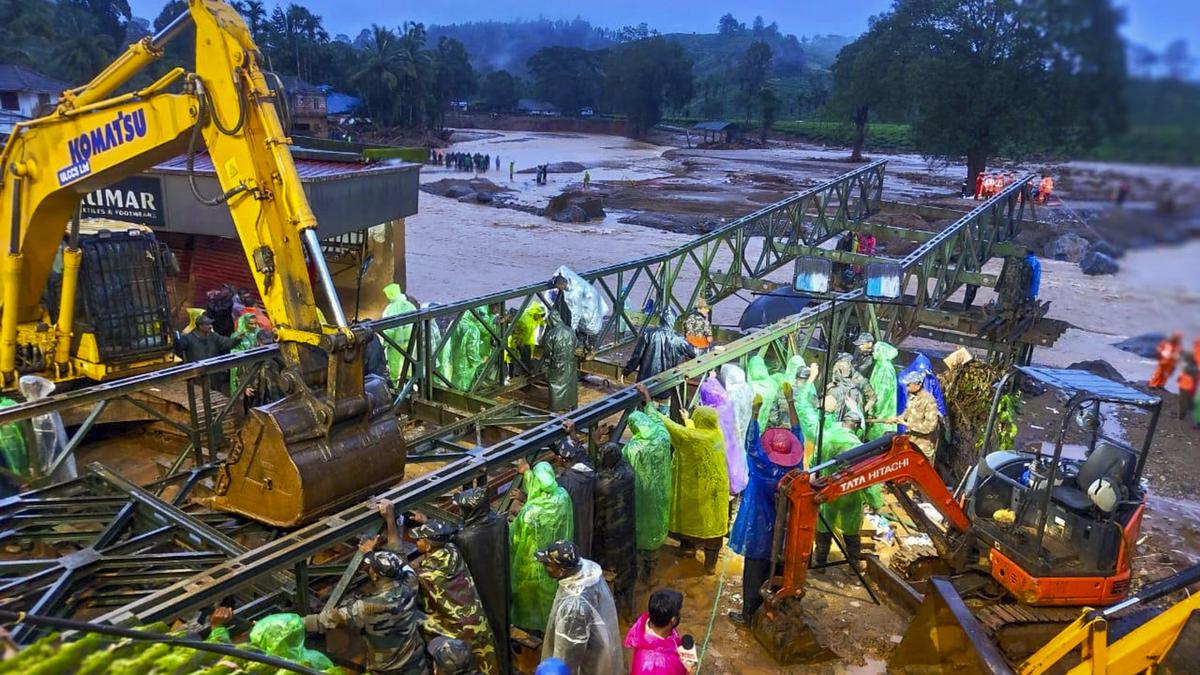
column 50, row 437
column 545, row 518
column 700, row 499
column 713, row 395
column 649, row 454
column 588, row 307
column 282, row 635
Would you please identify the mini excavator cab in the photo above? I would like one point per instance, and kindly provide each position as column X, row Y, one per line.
column 1061, row 522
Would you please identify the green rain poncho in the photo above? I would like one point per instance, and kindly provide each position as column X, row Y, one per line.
column 398, row 303
column 764, row 385
column 282, row 635
column 700, row 498
column 883, row 381
column 245, row 337
column 12, row 444
column 471, row 347
column 794, row 365
column 649, row 453
column 545, row 518
column 844, row 514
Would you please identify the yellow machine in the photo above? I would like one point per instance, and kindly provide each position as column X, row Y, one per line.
column 333, row 437
column 945, row 638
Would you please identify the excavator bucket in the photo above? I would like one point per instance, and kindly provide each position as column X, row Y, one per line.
column 288, row 465
column 945, row 637
column 783, row 630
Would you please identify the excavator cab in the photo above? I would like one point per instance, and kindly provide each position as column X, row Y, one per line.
column 1061, row 520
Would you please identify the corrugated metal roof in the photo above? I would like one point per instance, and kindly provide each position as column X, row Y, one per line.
column 310, row 170
column 18, row 78
column 716, row 125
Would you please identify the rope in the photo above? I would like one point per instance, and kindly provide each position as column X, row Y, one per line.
column 711, row 617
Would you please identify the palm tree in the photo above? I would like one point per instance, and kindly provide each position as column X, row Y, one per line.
column 24, row 24
column 81, row 49
column 384, row 65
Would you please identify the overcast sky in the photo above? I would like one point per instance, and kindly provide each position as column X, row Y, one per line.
column 1151, row 22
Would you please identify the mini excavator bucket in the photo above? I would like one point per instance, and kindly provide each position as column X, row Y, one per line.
column 312, row 452
column 783, row 630
column 944, row 637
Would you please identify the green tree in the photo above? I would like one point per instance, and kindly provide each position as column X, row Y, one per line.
column 25, row 26
column 109, row 17
column 382, row 67
column 728, row 25
column 81, row 49
column 980, row 76
column 500, row 91
column 752, row 72
column 568, row 77
column 768, row 104
column 641, row 77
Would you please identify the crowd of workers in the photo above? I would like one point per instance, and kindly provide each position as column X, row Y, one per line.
column 1171, row 355
column 988, row 185
column 463, row 161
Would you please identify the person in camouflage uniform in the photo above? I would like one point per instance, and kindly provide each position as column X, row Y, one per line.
column 388, row 618
column 921, row 416
column 613, row 540
column 451, row 657
column 864, row 359
column 847, row 389
column 448, row 597
column 483, row 543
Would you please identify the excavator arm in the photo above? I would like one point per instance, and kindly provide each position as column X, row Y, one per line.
column 333, row 437
column 888, row 459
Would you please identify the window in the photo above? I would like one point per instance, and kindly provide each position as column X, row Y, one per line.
column 9, row 101
column 44, row 98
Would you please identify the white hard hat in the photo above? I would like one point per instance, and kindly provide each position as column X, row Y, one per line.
column 1103, row 494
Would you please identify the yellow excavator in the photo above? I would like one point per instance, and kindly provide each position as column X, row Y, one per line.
column 333, row 437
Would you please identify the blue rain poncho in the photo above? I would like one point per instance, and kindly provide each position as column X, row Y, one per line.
column 931, row 384
column 754, row 527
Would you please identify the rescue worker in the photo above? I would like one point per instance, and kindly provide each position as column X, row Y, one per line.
column 1045, row 189
column 920, row 416
column 741, row 395
column 451, row 657
column 587, row 180
column 388, row 618
column 205, row 343
column 842, row 515
column 713, row 395
column 245, row 337
column 483, row 543
column 398, row 303
column 763, row 385
column 700, row 498
column 1168, row 356
column 847, row 389
column 282, row 636
column 649, row 454
column 864, row 357
column 562, row 368
column 697, row 326
column 545, row 518
column 979, row 186
column 654, row 639
column 471, row 349
column 583, row 628
column 448, row 597
column 658, row 349
column 883, row 384
column 613, row 524
column 578, row 478
column 772, row 454
column 1189, row 374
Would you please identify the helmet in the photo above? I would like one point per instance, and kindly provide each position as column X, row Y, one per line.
column 1103, row 494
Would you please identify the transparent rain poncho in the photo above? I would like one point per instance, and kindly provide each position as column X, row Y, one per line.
column 50, row 437
column 282, row 635
column 713, row 395
column 700, row 498
column 545, row 518
column 588, row 307
column 472, row 347
column 741, row 395
column 764, row 385
column 583, row 629
column 12, row 444
column 398, row 303
column 649, row 453
column 883, row 381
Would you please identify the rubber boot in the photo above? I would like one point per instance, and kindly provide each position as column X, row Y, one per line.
column 711, row 556
column 824, row 542
column 853, row 548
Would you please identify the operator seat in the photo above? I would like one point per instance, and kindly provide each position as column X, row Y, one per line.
column 1110, row 459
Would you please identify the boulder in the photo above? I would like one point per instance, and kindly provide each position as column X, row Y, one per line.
column 1111, row 250
column 484, row 197
column 1069, row 247
column 469, row 198
column 1096, row 263
column 571, row 214
column 1099, row 367
column 1144, row 345
column 456, row 191
column 592, row 207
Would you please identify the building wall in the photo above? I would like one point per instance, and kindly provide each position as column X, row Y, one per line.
column 17, row 106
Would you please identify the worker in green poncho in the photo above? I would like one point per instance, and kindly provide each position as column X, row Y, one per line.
column 763, row 383
column 545, row 518
column 282, row 635
column 471, row 348
column 883, row 382
column 700, row 478
column 845, row 513
column 244, row 337
column 526, row 330
column 649, row 453
column 398, row 303
column 12, row 444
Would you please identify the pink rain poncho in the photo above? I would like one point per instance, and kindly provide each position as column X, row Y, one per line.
column 713, row 395
column 653, row 655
